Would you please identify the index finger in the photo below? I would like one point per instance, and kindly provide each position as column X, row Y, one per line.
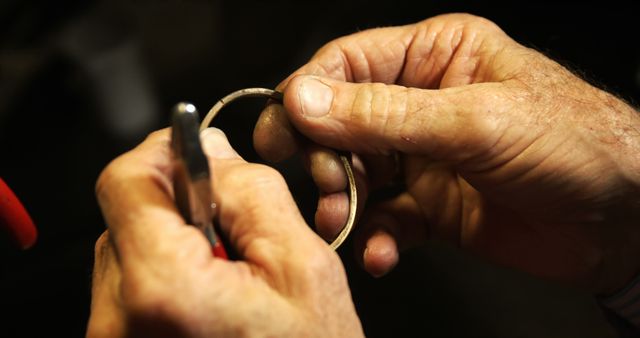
column 416, row 55
column 439, row 52
column 372, row 55
column 255, row 207
column 136, row 198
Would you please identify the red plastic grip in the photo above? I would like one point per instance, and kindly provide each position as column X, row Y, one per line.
column 219, row 251
column 14, row 218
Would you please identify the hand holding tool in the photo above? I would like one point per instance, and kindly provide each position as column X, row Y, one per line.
column 191, row 181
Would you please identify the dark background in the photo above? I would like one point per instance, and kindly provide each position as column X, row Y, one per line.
column 84, row 81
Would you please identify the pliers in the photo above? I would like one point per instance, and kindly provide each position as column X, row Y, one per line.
column 191, row 178
column 14, row 218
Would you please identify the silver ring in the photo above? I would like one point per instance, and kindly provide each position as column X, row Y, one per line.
column 346, row 162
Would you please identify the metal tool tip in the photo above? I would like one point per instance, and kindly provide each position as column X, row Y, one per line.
column 186, row 107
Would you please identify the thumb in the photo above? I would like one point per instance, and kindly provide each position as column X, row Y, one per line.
column 374, row 118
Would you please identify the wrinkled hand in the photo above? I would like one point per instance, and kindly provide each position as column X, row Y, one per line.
column 156, row 277
column 502, row 151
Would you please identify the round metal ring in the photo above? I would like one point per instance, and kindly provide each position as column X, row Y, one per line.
column 346, row 162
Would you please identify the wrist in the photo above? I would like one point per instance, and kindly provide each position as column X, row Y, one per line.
column 617, row 139
column 622, row 136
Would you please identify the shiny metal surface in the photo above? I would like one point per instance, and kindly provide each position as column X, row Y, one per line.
column 345, row 159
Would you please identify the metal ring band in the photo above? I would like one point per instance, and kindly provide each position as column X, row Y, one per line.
column 346, row 163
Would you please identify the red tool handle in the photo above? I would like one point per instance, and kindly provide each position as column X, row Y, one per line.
column 219, row 251
column 14, row 218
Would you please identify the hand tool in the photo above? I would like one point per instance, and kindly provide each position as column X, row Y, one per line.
column 15, row 219
column 191, row 181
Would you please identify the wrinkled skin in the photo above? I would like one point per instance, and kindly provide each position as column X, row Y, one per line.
column 155, row 276
column 503, row 152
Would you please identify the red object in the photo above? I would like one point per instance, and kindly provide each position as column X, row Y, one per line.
column 219, row 251
column 14, row 218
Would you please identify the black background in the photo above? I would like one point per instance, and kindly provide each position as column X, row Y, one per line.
column 56, row 134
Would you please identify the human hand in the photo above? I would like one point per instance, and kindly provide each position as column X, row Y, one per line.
column 156, row 277
column 502, row 151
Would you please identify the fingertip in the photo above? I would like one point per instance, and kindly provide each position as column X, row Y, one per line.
column 156, row 141
column 215, row 144
column 377, row 247
column 213, row 132
column 161, row 135
column 309, row 96
column 274, row 139
column 326, row 169
column 380, row 254
column 331, row 215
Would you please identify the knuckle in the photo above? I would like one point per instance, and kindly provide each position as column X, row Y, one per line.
column 398, row 110
column 323, row 268
column 157, row 135
column 329, row 60
column 370, row 106
column 106, row 178
column 142, row 298
column 146, row 293
column 251, row 184
column 321, row 264
column 462, row 23
column 361, row 106
column 480, row 22
column 258, row 178
column 102, row 244
column 466, row 19
column 126, row 168
column 379, row 109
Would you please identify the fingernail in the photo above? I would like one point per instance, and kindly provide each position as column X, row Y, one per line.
column 315, row 97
